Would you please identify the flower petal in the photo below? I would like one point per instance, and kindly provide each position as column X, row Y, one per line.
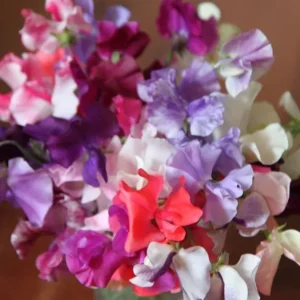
column 289, row 104
column 192, row 266
column 247, row 268
column 266, row 145
column 290, row 241
column 270, row 254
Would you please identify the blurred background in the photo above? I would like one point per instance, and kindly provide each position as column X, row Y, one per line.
column 278, row 19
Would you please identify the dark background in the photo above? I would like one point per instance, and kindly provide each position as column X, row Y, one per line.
column 278, row 19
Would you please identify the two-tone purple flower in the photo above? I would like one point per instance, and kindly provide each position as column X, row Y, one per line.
column 246, row 57
column 67, row 141
column 196, row 101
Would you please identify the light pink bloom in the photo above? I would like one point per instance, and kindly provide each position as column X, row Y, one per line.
column 285, row 243
column 269, row 197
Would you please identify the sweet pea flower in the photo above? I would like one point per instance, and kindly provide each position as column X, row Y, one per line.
column 196, row 100
column 191, row 265
column 291, row 159
column 42, row 85
column 237, row 281
column 279, row 243
column 262, row 138
column 120, row 37
column 247, row 57
column 220, row 205
column 67, row 141
column 92, row 257
column 31, row 190
column 68, row 19
column 269, row 197
column 180, row 21
column 103, row 80
column 143, row 206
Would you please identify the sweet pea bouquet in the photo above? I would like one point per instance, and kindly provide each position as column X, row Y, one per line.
column 138, row 173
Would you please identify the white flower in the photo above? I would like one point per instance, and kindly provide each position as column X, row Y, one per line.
column 263, row 138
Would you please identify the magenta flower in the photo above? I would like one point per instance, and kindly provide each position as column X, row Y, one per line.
column 91, row 257
column 180, row 21
column 127, row 39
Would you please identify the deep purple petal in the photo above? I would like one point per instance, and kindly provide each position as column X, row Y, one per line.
column 46, row 128
column 206, row 114
column 96, row 163
column 199, row 80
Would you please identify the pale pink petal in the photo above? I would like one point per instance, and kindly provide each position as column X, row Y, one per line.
column 274, row 187
column 98, row 222
column 59, row 9
column 290, row 241
column 64, row 100
column 270, row 254
column 192, row 266
column 76, row 21
column 36, row 33
column 30, row 104
column 11, row 71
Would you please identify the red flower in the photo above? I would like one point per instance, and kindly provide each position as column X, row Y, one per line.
column 148, row 221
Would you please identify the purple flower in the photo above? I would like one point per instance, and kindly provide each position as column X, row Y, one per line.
column 31, row 190
column 68, row 140
column 180, row 21
column 168, row 104
column 248, row 57
column 199, row 164
column 90, row 256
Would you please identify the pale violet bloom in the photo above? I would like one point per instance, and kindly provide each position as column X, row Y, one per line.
column 280, row 243
column 191, row 265
column 247, row 57
column 196, row 100
column 263, row 139
column 237, row 281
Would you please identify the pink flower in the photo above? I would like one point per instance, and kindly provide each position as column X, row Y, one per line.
column 42, row 85
column 280, row 243
column 39, row 33
column 269, row 197
column 128, row 112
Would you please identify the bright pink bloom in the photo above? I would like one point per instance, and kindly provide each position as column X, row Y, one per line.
column 128, row 112
column 148, row 221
